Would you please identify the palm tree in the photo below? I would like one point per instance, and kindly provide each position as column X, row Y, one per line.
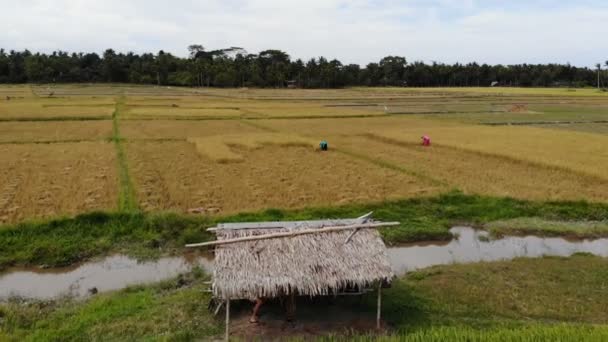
column 599, row 69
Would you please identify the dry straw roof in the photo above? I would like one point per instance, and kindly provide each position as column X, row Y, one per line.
column 311, row 265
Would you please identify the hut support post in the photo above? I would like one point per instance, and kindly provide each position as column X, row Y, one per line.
column 379, row 306
column 227, row 337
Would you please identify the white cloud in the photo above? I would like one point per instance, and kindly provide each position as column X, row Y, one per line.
column 358, row 31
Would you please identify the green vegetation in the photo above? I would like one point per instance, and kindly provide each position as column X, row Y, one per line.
column 525, row 299
column 127, row 201
column 174, row 310
column 541, row 227
column 532, row 332
column 598, row 128
column 236, row 67
column 68, row 240
column 501, row 294
column 65, row 241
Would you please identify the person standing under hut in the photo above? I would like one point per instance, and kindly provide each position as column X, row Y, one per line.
column 255, row 315
column 289, row 302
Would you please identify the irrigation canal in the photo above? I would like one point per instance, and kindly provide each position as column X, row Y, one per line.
column 119, row 271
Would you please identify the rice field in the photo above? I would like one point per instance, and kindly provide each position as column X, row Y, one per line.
column 139, row 154
column 232, row 150
column 177, row 176
column 50, row 180
column 54, row 131
column 51, row 108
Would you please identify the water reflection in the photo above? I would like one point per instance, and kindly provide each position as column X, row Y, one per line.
column 112, row 273
column 474, row 246
column 119, row 271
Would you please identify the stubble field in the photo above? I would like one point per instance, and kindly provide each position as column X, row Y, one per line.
column 144, row 170
column 226, row 151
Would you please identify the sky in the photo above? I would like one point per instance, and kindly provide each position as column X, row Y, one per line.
column 355, row 31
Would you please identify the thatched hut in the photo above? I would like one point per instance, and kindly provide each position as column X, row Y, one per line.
column 305, row 258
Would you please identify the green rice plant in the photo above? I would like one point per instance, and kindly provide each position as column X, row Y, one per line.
column 543, row 227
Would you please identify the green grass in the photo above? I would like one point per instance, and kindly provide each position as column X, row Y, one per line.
column 543, row 299
column 538, row 113
column 597, row 128
column 501, row 294
column 533, row 332
column 67, row 240
column 127, row 201
column 541, row 227
column 566, row 92
column 174, row 310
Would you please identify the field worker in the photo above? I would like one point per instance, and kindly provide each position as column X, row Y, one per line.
column 426, row 140
column 255, row 316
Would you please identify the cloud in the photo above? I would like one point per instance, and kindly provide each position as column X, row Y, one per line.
column 357, row 31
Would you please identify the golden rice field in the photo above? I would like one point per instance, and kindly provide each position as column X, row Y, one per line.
column 175, row 175
column 54, row 131
column 47, row 180
column 67, row 149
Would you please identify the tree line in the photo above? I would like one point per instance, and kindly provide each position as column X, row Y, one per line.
column 235, row 67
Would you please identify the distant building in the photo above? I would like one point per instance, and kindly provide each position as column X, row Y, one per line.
column 292, row 84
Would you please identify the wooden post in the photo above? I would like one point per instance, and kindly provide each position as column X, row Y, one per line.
column 379, row 305
column 227, row 337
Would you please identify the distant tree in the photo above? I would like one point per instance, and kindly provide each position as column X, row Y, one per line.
column 233, row 66
column 599, row 70
column 393, row 70
column 195, row 50
column 274, row 64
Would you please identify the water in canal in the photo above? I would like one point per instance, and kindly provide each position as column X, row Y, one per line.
column 119, row 271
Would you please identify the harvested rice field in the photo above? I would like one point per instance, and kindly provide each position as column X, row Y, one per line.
column 50, row 180
column 476, row 173
column 32, row 109
column 231, row 150
column 88, row 171
column 183, row 129
column 176, row 176
column 54, row 131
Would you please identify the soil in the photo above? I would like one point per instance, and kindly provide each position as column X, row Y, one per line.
column 316, row 317
column 518, row 108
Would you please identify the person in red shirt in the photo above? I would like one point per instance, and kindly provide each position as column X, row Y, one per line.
column 426, row 140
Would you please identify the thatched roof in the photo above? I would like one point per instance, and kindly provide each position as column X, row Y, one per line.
column 312, row 264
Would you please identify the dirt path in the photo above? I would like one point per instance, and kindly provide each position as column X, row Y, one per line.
column 314, row 318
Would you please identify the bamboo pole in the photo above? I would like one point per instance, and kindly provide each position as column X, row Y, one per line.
column 294, row 233
column 379, row 306
column 289, row 224
column 227, row 337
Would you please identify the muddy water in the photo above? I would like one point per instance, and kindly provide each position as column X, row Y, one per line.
column 118, row 271
column 112, row 273
column 471, row 245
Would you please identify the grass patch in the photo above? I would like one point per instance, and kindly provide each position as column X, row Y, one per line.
column 65, row 241
column 500, row 294
column 68, row 240
column 532, row 332
column 525, row 299
column 542, row 227
column 174, row 310
column 127, row 200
